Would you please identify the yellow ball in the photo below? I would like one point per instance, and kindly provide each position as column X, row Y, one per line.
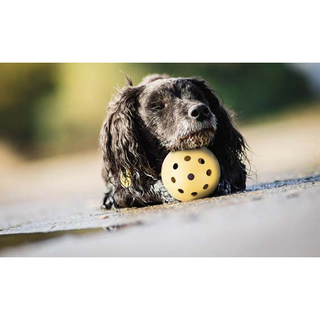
column 190, row 174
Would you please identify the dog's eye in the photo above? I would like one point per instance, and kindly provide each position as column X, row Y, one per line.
column 158, row 106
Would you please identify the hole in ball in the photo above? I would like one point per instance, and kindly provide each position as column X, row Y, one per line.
column 175, row 166
column 187, row 158
column 209, row 172
column 190, row 176
column 180, row 190
column 194, row 193
column 173, row 179
column 201, row 161
column 205, row 186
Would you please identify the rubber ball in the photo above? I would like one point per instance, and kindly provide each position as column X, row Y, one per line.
column 190, row 174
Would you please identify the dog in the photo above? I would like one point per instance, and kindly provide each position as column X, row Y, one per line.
column 162, row 114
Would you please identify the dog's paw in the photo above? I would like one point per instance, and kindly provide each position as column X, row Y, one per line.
column 108, row 202
column 170, row 199
column 223, row 188
column 162, row 193
column 167, row 197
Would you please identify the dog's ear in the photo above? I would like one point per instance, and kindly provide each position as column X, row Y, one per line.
column 228, row 141
column 153, row 77
column 123, row 155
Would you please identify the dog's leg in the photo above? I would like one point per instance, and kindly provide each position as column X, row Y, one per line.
column 232, row 180
column 223, row 188
column 159, row 191
column 108, row 201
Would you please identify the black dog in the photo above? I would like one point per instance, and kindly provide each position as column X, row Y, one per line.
column 162, row 114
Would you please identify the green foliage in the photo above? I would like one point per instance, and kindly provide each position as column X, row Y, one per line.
column 252, row 89
column 54, row 108
column 21, row 87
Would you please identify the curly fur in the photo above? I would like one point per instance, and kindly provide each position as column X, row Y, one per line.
column 146, row 122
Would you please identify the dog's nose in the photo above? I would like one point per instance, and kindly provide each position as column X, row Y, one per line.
column 200, row 112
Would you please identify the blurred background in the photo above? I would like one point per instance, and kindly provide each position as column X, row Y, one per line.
column 51, row 114
column 51, row 109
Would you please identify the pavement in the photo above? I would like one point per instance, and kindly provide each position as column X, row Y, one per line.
column 51, row 207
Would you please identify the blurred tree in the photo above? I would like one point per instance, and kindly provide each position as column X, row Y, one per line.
column 54, row 108
column 21, row 86
column 252, row 89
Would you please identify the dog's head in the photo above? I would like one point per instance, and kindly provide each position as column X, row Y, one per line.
column 178, row 112
column 166, row 113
